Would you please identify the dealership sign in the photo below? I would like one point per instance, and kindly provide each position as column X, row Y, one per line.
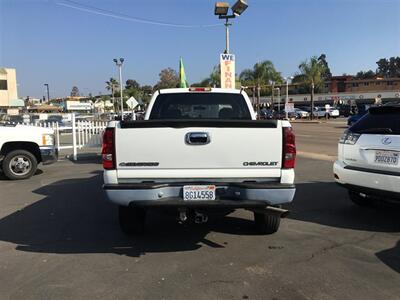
column 227, row 63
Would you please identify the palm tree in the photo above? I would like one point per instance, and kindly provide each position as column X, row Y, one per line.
column 112, row 85
column 312, row 71
column 262, row 73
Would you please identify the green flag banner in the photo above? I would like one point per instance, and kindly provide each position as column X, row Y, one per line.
column 182, row 75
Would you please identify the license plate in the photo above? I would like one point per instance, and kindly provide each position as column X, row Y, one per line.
column 199, row 192
column 387, row 157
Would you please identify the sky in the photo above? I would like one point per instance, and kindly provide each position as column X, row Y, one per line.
column 69, row 43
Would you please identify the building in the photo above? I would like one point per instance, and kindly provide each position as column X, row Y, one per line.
column 348, row 84
column 8, row 87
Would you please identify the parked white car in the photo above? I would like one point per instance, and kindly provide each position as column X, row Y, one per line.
column 301, row 114
column 322, row 112
column 369, row 153
column 199, row 149
column 23, row 147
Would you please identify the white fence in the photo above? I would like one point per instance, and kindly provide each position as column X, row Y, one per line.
column 76, row 135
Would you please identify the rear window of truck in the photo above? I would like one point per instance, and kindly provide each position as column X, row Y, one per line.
column 188, row 106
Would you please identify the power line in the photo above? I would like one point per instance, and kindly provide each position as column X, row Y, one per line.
column 108, row 13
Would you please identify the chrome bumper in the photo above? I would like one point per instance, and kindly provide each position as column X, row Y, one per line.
column 49, row 154
column 227, row 195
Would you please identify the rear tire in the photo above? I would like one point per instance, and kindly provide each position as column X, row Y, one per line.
column 132, row 220
column 267, row 223
column 359, row 200
column 19, row 164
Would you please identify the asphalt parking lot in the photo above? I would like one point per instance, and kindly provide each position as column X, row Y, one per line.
column 59, row 239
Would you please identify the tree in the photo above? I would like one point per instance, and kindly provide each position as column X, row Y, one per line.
column 383, row 67
column 75, row 91
column 394, row 67
column 312, row 71
column 132, row 84
column 326, row 75
column 262, row 74
column 112, row 85
column 388, row 68
column 168, row 79
column 365, row 75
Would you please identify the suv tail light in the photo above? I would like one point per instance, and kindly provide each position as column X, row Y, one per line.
column 108, row 149
column 289, row 148
column 349, row 138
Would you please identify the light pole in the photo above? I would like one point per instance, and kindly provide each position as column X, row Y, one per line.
column 287, row 95
column 221, row 10
column 119, row 65
column 48, row 93
column 279, row 100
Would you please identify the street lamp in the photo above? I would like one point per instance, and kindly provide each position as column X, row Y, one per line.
column 119, row 65
column 48, row 93
column 221, row 10
column 279, row 99
column 287, row 94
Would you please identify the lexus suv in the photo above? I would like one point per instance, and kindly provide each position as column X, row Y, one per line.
column 368, row 159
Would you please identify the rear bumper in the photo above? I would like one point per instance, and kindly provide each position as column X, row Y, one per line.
column 49, row 154
column 234, row 195
column 378, row 183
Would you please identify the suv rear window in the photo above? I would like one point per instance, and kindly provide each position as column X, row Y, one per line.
column 188, row 106
column 385, row 120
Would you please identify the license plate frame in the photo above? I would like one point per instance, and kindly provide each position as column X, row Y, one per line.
column 386, row 157
column 199, row 192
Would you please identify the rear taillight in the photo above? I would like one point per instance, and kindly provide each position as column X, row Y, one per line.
column 108, row 149
column 349, row 138
column 289, row 148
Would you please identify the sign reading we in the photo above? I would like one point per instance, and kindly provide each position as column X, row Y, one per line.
column 227, row 63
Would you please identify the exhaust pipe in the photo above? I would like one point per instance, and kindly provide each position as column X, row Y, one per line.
column 182, row 218
column 200, row 218
column 272, row 210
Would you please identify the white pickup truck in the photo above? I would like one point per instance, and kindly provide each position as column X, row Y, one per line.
column 199, row 149
column 23, row 147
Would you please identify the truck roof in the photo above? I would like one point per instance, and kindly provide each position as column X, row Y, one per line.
column 199, row 89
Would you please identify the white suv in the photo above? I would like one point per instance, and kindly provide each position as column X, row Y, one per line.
column 368, row 159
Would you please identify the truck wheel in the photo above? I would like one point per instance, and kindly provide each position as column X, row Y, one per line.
column 266, row 223
column 359, row 200
column 131, row 219
column 19, row 164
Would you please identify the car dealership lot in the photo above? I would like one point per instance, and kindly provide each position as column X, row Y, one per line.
column 59, row 238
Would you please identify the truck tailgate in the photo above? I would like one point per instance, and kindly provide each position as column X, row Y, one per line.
column 231, row 152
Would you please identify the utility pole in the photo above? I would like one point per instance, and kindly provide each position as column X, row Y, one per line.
column 279, row 100
column 272, row 95
column 112, row 96
column 258, row 99
column 119, row 65
column 227, row 24
column 48, row 93
column 312, row 99
column 287, row 95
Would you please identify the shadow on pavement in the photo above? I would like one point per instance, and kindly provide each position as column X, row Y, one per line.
column 327, row 204
column 85, row 158
column 391, row 257
column 74, row 217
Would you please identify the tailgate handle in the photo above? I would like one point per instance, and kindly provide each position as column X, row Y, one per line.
column 197, row 138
